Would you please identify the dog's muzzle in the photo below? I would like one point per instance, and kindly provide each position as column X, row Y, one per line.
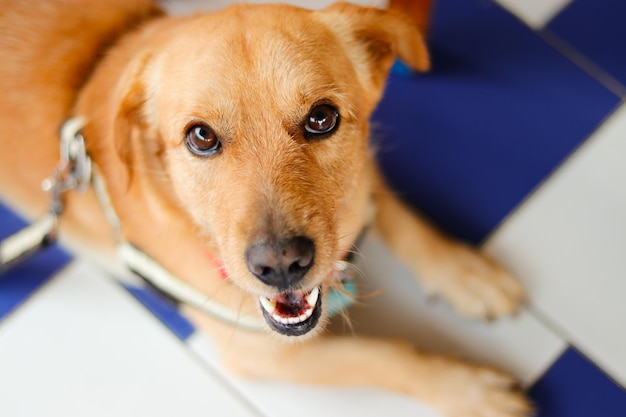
column 296, row 313
column 283, row 265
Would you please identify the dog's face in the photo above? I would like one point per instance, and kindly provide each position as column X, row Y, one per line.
column 259, row 118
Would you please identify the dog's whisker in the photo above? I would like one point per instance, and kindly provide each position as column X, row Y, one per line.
column 357, row 269
column 347, row 321
column 209, row 296
column 236, row 329
column 219, row 287
column 352, row 237
column 358, row 297
column 357, row 252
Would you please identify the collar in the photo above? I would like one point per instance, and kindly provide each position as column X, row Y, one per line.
column 82, row 172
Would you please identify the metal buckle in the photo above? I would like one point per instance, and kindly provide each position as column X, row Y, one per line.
column 74, row 169
column 72, row 173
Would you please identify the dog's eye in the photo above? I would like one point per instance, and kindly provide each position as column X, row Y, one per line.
column 202, row 140
column 323, row 120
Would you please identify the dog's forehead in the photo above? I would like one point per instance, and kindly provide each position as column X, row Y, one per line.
column 255, row 53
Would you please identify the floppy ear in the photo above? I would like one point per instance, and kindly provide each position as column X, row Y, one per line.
column 129, row 121
column 374, row 38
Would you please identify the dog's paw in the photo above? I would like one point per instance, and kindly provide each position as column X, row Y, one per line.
column 464, row 390
column 472, row 283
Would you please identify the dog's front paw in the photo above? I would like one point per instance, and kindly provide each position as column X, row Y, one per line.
column 463, row 390
column 472, row 283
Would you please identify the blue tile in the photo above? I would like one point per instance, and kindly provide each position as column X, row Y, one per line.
column 164, row 311
column 597, row 29
column 18, row 283
column 500, row 110
column 9, row 221
column 574, row 387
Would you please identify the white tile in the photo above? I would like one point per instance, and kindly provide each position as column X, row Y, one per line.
column 535, row 13
column 188, row 6
column 83, row 347
column 568, row 244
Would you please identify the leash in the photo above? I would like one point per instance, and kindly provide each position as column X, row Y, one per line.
column 72, row 172
column 75, row 172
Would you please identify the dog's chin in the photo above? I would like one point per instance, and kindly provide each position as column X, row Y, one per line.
column 294, row 313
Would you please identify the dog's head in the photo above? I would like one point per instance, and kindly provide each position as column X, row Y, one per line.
column 256, row 119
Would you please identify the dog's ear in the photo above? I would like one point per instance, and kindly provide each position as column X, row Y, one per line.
column 374, row 38
column 129, row 121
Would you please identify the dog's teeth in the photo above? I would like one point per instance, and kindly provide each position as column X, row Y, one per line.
column 293, row 320
column 268, row 305
column 283, row 320
column 312, row 297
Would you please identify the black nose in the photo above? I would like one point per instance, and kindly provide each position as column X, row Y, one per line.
column 283, row 264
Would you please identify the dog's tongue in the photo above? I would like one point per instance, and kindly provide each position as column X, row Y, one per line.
column 291, row 304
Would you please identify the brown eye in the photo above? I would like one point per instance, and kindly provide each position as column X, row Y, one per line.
column 322, row 121
column 201, row 140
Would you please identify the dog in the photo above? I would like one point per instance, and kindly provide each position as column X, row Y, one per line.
column 234, row 150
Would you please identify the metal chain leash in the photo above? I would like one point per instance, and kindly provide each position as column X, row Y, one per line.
column 73, row 172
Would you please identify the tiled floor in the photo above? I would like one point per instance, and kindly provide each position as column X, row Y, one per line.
column 515, row 141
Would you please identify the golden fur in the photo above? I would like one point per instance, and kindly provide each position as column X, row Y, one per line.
column 141, row 78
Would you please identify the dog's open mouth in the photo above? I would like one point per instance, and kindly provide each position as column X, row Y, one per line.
column 293, row 313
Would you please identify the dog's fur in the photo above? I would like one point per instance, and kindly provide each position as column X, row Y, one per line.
column 252, row 73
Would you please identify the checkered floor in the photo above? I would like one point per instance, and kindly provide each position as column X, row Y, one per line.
column 515, row 141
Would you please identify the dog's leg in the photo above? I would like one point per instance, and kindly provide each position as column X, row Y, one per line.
column 471, row 282
column 455, row 388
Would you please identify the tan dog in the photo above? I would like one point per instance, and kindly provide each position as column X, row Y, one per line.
column 243, row 134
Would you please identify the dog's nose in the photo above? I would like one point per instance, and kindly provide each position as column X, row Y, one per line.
column 281, row 265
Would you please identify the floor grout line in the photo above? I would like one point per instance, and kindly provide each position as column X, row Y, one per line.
column 583, row 62
column 218, row 374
